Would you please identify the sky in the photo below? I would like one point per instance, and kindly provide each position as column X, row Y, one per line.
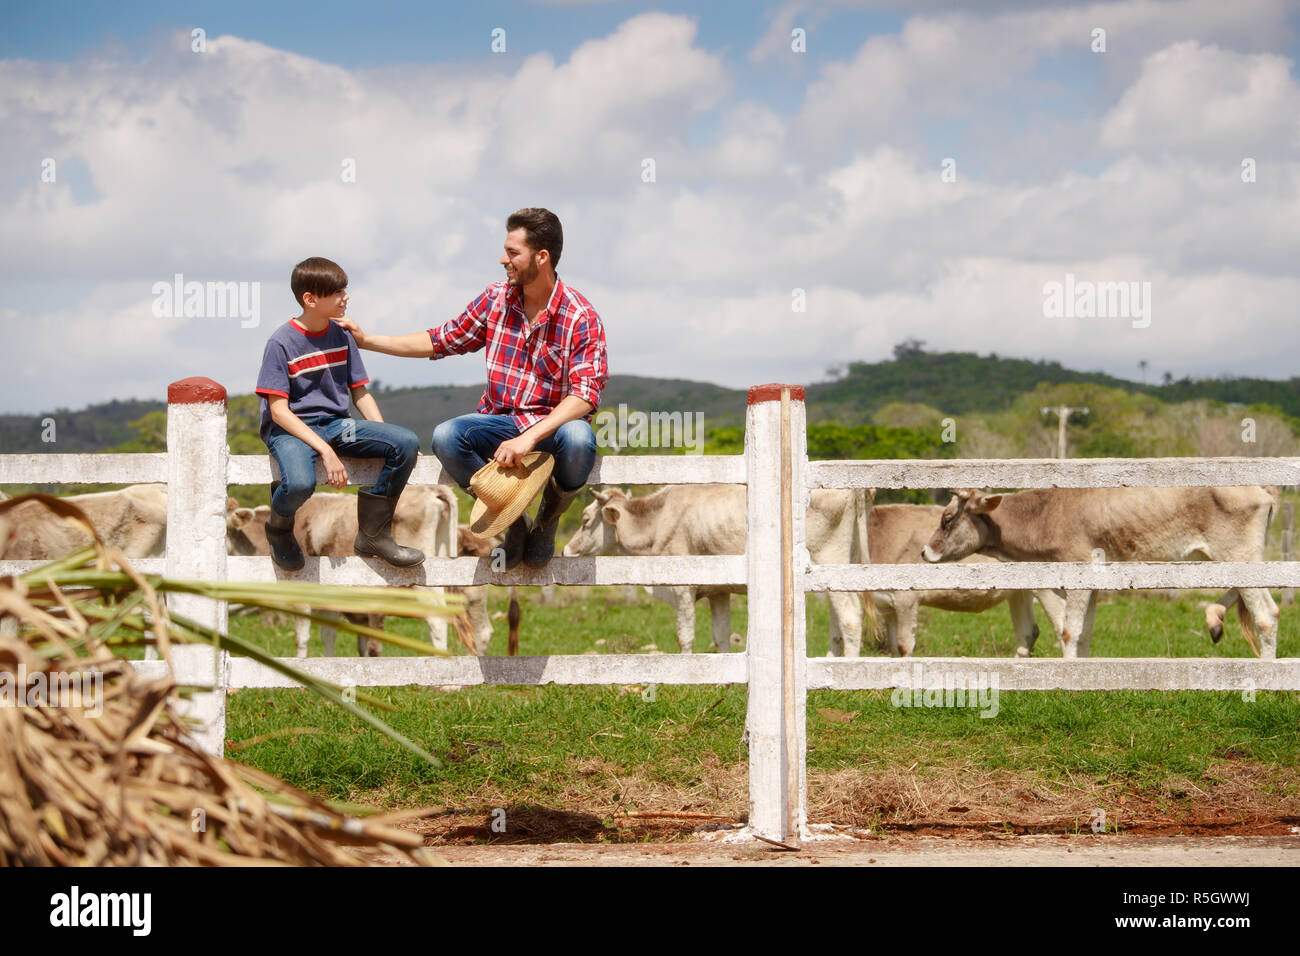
column 750, row 192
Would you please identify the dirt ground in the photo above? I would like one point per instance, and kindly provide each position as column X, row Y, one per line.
column 1017, row 851
column 1248, row 817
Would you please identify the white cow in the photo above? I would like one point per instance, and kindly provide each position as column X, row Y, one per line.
column 1119, row 524
column 710, row 519
column 896, row 535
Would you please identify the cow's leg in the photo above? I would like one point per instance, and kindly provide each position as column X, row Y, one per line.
column 720, row 615
column 1085, row 635
column 906, row 605
column 328, row 634
column 835, row 643
column 684, row 599
column 480, row 623
column 1215, row 613
column 437, row 625
column 1053, row 603
column 846, row 622
column 371, row 646
column 1076, row 610
column 301, row 634
column 437, row 632
column 1259, row 619
column 1023, row 624
column 890, row 617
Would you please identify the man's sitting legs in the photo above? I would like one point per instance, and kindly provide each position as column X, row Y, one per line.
column 574, row 449
column 465, row 444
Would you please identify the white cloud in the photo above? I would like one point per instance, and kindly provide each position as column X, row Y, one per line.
column 226, row 167
column 1193, row 97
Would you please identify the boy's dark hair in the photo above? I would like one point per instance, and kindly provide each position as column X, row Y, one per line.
column 542, row 229
column 319, row 276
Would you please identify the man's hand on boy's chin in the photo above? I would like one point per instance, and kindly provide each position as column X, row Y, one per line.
column 347, row 325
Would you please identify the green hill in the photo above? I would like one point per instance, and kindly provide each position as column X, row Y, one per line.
column 899, row 405
column 962, row 382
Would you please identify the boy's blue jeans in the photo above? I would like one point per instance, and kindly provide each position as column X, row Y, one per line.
column 349, row 437
column 466, row 444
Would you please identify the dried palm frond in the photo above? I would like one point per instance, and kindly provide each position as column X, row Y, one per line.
column 96, row 766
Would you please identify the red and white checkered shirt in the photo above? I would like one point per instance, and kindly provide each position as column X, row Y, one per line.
column 529, row 373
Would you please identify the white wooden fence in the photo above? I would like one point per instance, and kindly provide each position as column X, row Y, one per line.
column 198, row 468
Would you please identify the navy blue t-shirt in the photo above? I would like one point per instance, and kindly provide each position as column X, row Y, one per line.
column 314, row 371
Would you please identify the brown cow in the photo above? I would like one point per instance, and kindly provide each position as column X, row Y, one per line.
column 133, row 519
column 896, row 534
column 1117, row 524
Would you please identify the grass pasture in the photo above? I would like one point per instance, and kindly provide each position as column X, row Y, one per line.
column 602, row 763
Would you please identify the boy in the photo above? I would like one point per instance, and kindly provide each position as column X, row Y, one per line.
column 309, row 368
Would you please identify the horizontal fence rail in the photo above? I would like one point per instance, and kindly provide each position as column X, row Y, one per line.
column 824, row 673
column 82, row 469
column 258, row 470
column 1083, row 674
column 1054, row 473
column 563, row 669
column 685, row 570
column 729, row 571
column 608, row 470
column 1026, row 575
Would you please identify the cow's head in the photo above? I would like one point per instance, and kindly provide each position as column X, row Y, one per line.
column 963, row 526
column 245, row 531
column 473, row 545
column 599, row 532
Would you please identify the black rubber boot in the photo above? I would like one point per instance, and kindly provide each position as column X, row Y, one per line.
column 516, row 540
column 375, row 532
column 541, row 540
column 284, row 546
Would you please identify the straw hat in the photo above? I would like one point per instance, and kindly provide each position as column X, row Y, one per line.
column 503, row 494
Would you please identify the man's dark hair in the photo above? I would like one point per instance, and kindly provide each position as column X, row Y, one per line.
column 541, row 228
column 319, row 276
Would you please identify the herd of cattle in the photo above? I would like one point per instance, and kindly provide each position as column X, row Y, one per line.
column 842, row 527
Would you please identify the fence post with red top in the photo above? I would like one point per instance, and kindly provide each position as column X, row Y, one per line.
column 197, row 461
column 776, row 560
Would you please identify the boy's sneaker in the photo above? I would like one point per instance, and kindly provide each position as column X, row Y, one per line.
column 284, row 546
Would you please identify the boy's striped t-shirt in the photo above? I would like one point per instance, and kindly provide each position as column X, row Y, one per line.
column 315, row 371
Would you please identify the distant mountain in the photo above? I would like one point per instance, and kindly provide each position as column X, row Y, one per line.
column 421, row 409
column 954, row 382
column 962, row 382
column 97, row 428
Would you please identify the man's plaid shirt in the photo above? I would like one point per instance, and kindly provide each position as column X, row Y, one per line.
column 529, row 373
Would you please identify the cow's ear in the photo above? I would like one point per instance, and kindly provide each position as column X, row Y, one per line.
column 240, row 517
column 611, row 513
column 984, row 504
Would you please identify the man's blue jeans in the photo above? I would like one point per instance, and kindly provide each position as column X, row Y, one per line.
column 349, row 437
column 466, row 444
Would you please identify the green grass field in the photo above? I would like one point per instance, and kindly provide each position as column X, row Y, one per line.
column 600, row 749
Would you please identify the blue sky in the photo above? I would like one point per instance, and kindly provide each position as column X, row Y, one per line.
column 775, row 171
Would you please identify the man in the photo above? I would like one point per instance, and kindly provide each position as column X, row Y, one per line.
column 546, row 368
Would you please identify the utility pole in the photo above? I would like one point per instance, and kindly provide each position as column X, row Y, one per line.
column 1063, row 415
